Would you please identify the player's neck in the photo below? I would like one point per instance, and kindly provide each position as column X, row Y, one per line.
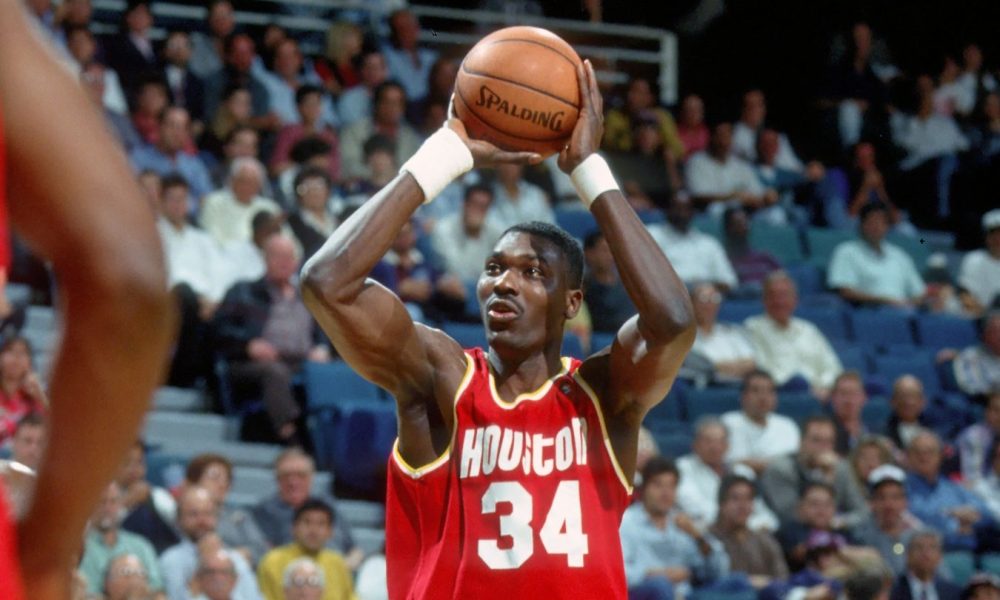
column 514, row 375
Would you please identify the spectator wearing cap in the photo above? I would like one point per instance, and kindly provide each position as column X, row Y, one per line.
column 942, row 504
column 982, row 586
column 697, row 257
column 465, row 239
column 751, row 551
column 815, row 461
column 976, row 370
column 921, row 581
column 752, row 266
column 702, row 472
column 871, row 270
column 787, row 346
column 312, row 529
column 726, row 346
column 979, row 274
column 907, row 418
column 847, row 401
column 664, row 551
column 891, row 525
column 977, row 442
column 988, row 486
column 757, row 435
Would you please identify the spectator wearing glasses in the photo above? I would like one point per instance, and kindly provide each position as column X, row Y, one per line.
column 303, row 580
column 125, row 579
column 216, row 577
column 725, row 345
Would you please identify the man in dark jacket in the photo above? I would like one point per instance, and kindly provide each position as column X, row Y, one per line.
column 921, row 581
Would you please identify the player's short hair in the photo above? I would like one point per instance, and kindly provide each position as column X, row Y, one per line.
column 306, row 91
column 732, row 480
column 657, row 466
column 755, row 374
column 566, row 244
column 172, row 180
column 199, row 464
column 314, row 505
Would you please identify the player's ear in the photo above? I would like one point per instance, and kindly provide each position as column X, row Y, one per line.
column 574, row 301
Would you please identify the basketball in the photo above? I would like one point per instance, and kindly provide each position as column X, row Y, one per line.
column 517, row 88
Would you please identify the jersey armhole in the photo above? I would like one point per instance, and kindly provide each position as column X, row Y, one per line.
column 604, row 432
column 420, row 471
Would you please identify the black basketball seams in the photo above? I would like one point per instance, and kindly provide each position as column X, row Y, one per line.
column 537, row 43
column 465, row 69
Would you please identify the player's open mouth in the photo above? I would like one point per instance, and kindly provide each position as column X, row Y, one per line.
column 502, row 310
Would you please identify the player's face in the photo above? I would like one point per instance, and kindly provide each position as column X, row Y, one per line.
column 658, row 493
column 522, row 292
column 312, row 530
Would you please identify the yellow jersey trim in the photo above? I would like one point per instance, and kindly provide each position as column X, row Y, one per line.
column 527, row 396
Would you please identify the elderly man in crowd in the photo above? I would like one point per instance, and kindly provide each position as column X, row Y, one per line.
column 303, row 580
column 921, row 581
column 757, row 435
column 847, row 401
column 891, row 526
column 726, row 346
column 169, row 156
column 226, row 214
column 787, row 346
column 125, row 578
column 215, row 578
column 908, row 418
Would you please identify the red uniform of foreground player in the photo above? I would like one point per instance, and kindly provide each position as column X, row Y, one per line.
column 512, row 467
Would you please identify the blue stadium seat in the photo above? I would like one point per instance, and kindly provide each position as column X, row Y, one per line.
column 782, row 241
column 822, row 242
column 710, row 401
column 875, row 413
column 673, row 444
column 600, row 341
column 808, row 278
column 359, row 443
column 576, row 221
column 468, row 335
column 991, row 562
column 853, row 358
column 962, row 565
column 708, row 224
column 940, row 331
column 736, row 311
column 798, row 405
column 164, row 469
column 572, row 346
column 912, row 246
column 333, row 384
column 880, row 328
column 670, row 410
column 831, row 321
column 892, row 367
column 651, row 216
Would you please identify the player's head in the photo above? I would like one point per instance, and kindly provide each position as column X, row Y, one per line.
column 312, row 525
column 659, row 485
column 531, row 285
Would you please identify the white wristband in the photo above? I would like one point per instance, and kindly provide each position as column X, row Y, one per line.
column 442, row 158
column 593, row 177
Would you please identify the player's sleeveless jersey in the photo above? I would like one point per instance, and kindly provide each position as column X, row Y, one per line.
column 526, row 502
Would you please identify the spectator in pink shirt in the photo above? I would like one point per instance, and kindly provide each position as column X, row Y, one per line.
column 691, row 126
column 309, row 101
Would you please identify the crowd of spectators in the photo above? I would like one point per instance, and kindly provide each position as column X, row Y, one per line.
column 251, row 153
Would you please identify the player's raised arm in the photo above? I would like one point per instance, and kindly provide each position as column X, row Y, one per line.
column 651, row 346
column 74, row 199
column 367, row 323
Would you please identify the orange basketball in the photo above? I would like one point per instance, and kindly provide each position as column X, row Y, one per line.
column 517, row 88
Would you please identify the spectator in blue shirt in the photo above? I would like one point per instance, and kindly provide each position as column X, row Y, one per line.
column 408, row 63
column 662, row 547
column 168, row 155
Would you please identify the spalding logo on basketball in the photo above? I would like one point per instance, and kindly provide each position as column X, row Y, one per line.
column 517, row 88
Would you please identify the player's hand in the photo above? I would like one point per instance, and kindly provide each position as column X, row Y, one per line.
column 589, row 130
column 485, row 154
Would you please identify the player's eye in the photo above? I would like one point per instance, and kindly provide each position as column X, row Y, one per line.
column 533, row 272
column 492, row 268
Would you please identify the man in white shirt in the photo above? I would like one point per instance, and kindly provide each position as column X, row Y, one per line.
column 979, row 274
column 872, row 271
column 746, row 130
column 726, row 345
column 697, row 257
column 517, row 201
column 226, row 214
column 701, row 474
column 715, row 177
column 464, row 240
column 787, row 346
column 756, row 434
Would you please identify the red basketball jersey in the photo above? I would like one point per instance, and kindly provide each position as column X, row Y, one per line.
column 526, row 502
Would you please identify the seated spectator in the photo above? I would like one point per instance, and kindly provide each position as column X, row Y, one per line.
column 150, row 510
column 608, row 302
column 293, row 473
column 716, row 178
column 976, row 442
column 242, row 142
column 312, row 528
column 197, row 516
column 226, row 214
column 640, row 100
column 236, row 527
column 465, row 240
column 988, row 486
column 787, row 346
column 940, row 503
column 725, row 345
column 388, row 106
column 985, row 136
column 702, row 472
column 408, row 63
column 235, row 111
column 891, row 526
column 21, row 392
column 921, row 579
column 309, row 104
column 168, row 155
column 245, row 260
column 28, row 443
column 855, row 92
column 907, row 418
column 239, row 53
column 664, row 552
column 696, row 257
column 976, row 370
column 355, row 104
column 220, row 22
column 815, row 461
column 186, row 89
column 691, row 128
column 83, row 48
column 313, row 222
column 649, row 161
column 952, row 97
column 871, row 270
column 151, row 100
column 431, row 113
column 265, row 333
column 126, row 578
column 867, row 185
column 825, row 555
column 304, row 580
column 757, row 435
column 746, row 130
column 870, row 453
column 105, row 540
column 381, row 168
column 426, row 292
column 92, row 76
column 751, row 266
column 337, row 68
column 517, row 201
column 847, row 401
column 802, row 195
column 216, row 576
column 813, row 518
column 982, row 586
column 979, row 275
column 753, row 552
column 287, row 79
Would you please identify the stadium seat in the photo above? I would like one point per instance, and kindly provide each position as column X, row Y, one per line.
column 962, row 565
column 822, row 242
column 798, row 405
column 358, row 443
column 723, row 595
column 599, row 341
column 710, row 401
column 651, row 215
column 831, row 321
column 879, row 328
column 673, row 444
column 576, row 221
column 165, row 469
column 991, row 562
column 940, row 331
column 875, row 413
column 736, row 311
column 782, row 241
column 892, row 367
column 808, row 278
column 709, row 225
column 670, row 409
column 335, row 383
column 852, row 357
column 468, row 335
column 912, row 246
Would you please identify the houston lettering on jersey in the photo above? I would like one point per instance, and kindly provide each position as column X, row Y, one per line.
column 485, row 449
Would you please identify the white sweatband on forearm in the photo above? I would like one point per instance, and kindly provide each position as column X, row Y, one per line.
column 593, row 177
column 442, row 158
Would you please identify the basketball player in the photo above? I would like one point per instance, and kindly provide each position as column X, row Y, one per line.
column 513, row 466
column 73, row 199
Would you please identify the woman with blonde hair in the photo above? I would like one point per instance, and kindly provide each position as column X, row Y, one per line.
column 871, row 451
column 338, row 68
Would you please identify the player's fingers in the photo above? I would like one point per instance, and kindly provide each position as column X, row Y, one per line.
column 518, row 158
column 581, row 76
column 451, row 106
column 457, row 126
column 597, row 100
